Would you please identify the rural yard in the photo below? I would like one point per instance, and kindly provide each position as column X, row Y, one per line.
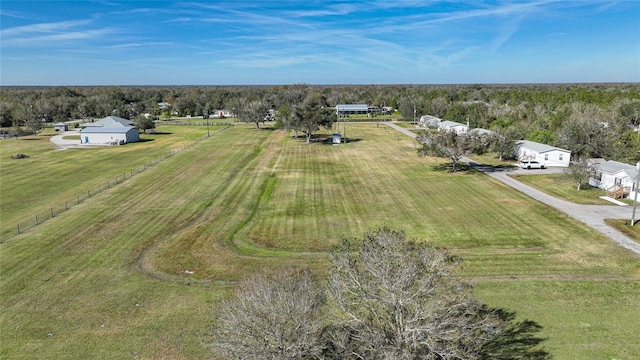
column 135, row 269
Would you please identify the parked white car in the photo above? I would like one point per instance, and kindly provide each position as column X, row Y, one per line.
column 531, row 164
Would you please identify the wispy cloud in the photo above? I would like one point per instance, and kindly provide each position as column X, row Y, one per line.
column 49, row 33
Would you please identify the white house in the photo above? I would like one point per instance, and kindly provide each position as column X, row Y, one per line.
column 220, row 114
column 617, row 178
column 111, row 130
column 547, row 155
column 430, row 121
column 110, row 136
column 447, row 125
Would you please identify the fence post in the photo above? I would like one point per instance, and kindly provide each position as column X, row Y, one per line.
column 18, row 229
column 65, row 206
column 78, row 199
column 88, row 193
column 37, row 223
column 51, row 211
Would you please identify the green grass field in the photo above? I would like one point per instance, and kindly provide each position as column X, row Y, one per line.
column 563, row 186
column 135, row 271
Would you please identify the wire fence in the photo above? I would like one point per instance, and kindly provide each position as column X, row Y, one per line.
column 43, row 215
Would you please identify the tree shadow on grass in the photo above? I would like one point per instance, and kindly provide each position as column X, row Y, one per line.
column 519, row 340
column 460, row 168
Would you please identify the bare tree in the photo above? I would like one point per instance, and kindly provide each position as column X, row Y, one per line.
column 271, row 318
column 579, row 172
column 399, row 299
column 444, row 144
column 504, row 142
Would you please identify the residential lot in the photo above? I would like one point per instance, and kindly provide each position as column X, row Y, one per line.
column 135, row 271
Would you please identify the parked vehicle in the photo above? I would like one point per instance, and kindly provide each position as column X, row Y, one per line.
column 531, row 164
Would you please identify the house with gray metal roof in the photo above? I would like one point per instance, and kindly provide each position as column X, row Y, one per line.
column 109, row 136
column 447, row 125
column 111, row 130
column 615, row 177
column 547, row 155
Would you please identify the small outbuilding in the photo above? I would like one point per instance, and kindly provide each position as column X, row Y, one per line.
column 61, row 127
column 547, row 155
column 336, row 138
column 109, row 136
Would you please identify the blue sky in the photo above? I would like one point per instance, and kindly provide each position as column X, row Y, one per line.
column 115, row 42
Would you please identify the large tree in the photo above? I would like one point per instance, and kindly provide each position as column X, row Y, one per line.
column 254, row 111
column 400, row 299
column 447, row 144
column 312, row 114
column 504, row 142
column 579, row 171
column 387, row 297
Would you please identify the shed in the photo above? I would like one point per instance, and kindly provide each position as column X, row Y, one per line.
column 336, row 138
column 547, row 155
column 61, row 127
column 109, row 136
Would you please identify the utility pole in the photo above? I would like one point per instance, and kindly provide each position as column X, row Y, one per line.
column 635, row 194
column 414, row 113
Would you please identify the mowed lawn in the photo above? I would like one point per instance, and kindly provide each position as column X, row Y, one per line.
column 135, row 271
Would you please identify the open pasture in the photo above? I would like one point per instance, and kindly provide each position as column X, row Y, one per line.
column 134, row 271
column 51, row 176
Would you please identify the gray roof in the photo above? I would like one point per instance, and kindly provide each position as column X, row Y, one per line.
column 110, row 122
column 611, row 167
column 481, row 131
column 538, row 147
column 352, row 107
column 447, row 123
column 102, row 130
column 116, row 120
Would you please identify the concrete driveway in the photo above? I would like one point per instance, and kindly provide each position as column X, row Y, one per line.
column 591, row 215
column 71, row 144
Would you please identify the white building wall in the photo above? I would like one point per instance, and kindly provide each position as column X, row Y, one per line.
column 555, row 158
column 548, row 158
column 607, row 181
column 103, row 138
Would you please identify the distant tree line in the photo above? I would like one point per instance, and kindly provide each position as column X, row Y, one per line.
column 594, row 120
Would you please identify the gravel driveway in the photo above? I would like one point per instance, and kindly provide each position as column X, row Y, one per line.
column 591, row 215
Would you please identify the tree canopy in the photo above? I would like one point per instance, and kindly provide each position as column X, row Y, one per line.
column 386, row 297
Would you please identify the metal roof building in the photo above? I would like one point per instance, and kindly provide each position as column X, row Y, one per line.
column 348, row 109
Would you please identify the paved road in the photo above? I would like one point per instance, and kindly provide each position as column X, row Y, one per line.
column 591, row 215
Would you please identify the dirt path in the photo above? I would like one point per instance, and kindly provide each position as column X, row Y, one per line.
column 591, row 215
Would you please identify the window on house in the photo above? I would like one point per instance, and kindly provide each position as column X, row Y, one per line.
column 560, row 157
column 546, row 156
